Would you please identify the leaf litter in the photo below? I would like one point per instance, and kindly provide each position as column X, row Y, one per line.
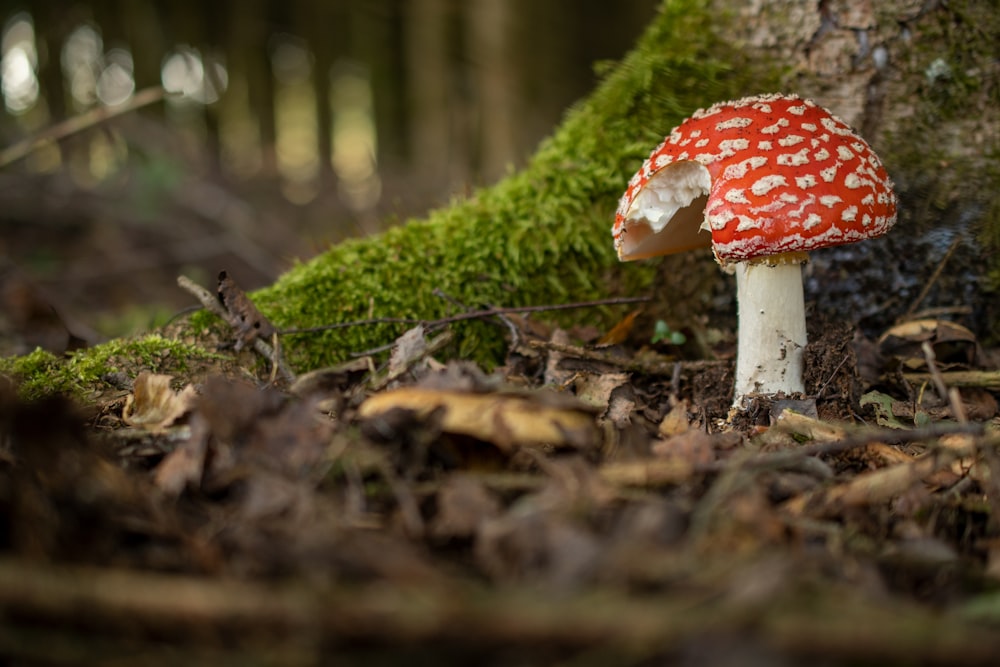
column 584, row 500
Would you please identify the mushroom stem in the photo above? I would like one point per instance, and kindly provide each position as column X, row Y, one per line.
column 772, row 329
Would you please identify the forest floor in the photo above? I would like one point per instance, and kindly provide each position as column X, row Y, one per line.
column 583, row 504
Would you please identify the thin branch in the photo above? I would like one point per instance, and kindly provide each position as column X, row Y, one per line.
column 472, row 315
column 78, row 124
column 211, row 303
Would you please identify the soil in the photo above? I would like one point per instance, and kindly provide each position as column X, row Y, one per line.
column 582, row 503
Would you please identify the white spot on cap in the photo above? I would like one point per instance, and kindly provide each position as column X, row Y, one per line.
column 788, row 197
column 849, row 214
column 868, row 200
column 798, row 111
column 774, row 129
column 728, row 147
column 829, row 200
column 764, row 145
column 732, row 123
column 806, row 181
column 811, row 221
column 852, row 181
column 809, row 127
column 764, row 185
column 794, row 159
column 718, row 221
column 844, row 153
column 791, row 140
column 740, row 169
column 746, row 223
column 701, row 143
column 866, row 220
column 821, row 155
column 830, row 172
column 736, row 196
column 835, row 126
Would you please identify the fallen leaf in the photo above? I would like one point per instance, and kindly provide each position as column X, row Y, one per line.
column 620, row 332
column 883, row 406
column 185, row 466
column 508, row 421
column 153, row 405
column 408, row 350
column 676, row 421
column 247, row 322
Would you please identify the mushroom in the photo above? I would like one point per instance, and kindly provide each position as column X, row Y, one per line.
column 769, row 178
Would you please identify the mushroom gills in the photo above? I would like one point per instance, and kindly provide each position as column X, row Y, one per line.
column 675, row 196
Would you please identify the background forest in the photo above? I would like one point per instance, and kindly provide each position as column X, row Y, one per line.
column 287, row 126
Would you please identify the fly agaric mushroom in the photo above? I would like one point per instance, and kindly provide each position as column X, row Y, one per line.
column 769, row 178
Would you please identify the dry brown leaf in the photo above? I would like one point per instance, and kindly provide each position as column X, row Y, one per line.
column 407, row 351
column 153, row 405
column 814, row 429
column 242, row 314
column 676, row 421
column 952, row 342
column 870, row 488
column 692, row 447
column 508, row 421
column 620, row 332
column 647, row 473
column 554, row 374
column 184, row 466
column 599, row 391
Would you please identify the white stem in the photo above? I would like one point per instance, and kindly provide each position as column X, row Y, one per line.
column 772, row 329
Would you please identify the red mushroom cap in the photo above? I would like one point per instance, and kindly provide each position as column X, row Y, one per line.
column 765, row 175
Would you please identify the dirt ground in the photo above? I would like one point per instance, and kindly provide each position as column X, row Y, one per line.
column 587, row 502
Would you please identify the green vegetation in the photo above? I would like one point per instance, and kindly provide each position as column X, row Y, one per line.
column 540, row 236
column 41, row 373
column 946, row 154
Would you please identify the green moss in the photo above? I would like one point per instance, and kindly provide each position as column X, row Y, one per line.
column 540, row 236
column 945, row 155
column 82, row 373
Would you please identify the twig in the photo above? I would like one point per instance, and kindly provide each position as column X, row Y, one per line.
column 472, row 315
column 833, row 374
column 199, row 612
column 933, row 279
column 861, row 438
column 77, row 124
column 211, row 303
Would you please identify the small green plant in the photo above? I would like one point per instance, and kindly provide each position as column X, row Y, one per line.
column 662, row 333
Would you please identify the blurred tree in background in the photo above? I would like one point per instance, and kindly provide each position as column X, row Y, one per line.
column 287, row 125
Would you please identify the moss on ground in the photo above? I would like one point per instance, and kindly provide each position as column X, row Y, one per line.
column 946, row 154
column 542, row 235
column 83, row 373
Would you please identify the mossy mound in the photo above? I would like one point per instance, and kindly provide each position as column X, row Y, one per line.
column 541, row 236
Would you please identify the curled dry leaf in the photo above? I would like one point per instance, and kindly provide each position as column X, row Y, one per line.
column 952, row 342
column 153, row 405
column 508, row 421
column 247, row 322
